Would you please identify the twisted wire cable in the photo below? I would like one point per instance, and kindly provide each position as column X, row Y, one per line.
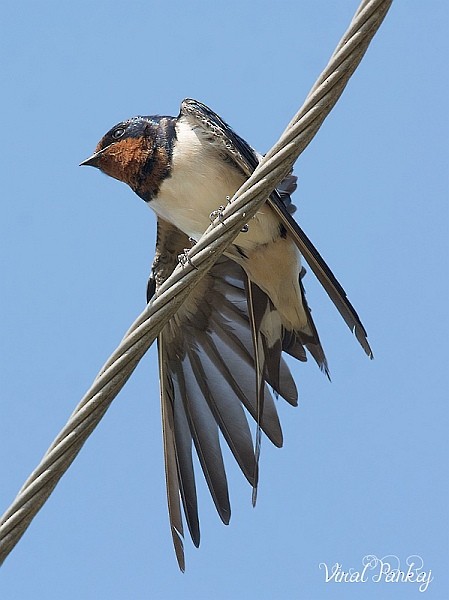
column 244, row 204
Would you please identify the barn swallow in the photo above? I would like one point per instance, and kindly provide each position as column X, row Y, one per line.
column 223, row 349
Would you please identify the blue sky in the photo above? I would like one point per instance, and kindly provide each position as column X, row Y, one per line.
column 363, row 468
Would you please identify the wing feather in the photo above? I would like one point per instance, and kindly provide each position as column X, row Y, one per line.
column 171, row 471
column 207, row 374
column 204, row 430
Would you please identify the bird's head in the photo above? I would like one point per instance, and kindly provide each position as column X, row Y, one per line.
column 137, row 152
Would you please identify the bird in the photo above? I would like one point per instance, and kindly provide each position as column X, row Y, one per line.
column 223, row 350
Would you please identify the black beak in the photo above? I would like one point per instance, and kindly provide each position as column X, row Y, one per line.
column 92, row 161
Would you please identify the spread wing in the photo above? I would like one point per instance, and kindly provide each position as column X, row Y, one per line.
column 208, row 382
column 234, row 148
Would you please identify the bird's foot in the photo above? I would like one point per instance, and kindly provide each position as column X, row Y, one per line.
column 217, row 214
column 185, row 259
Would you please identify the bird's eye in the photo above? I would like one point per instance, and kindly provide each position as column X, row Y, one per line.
column 117, row 133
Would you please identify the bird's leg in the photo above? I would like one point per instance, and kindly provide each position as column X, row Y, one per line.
column 219, row 213
column 184, row 258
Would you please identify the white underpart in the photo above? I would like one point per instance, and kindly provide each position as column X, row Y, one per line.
column 199, row 184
